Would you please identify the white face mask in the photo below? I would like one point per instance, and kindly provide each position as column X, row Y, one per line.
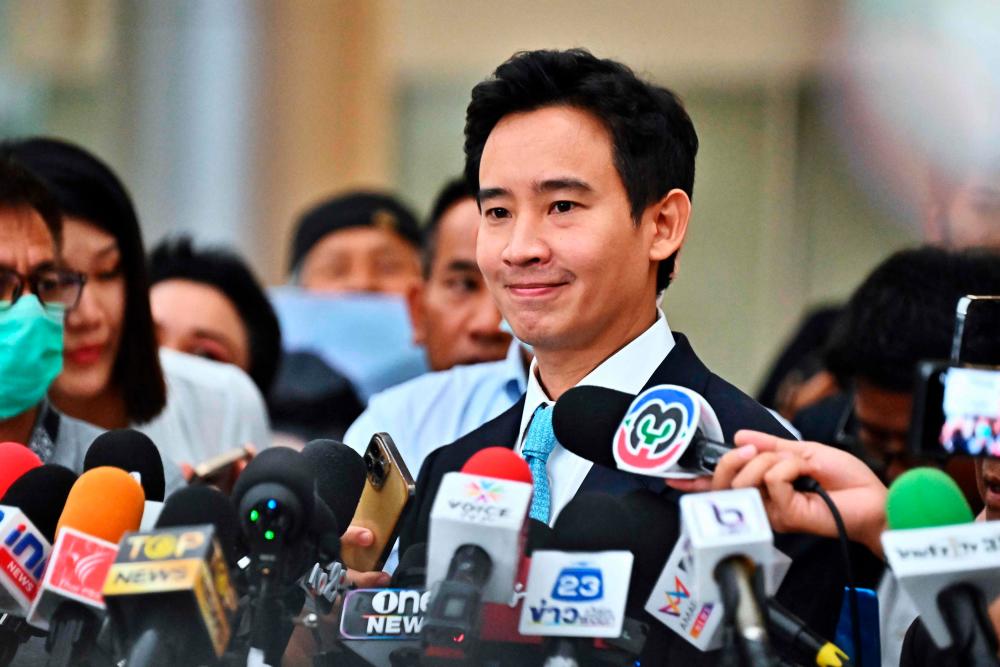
column 504, row 326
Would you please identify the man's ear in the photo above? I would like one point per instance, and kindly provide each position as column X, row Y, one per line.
column 670, row 216
column 418, row 314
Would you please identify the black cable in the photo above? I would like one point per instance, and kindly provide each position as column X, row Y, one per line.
column 852, row 590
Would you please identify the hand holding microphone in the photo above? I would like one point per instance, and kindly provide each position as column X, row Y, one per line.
column 773, row 465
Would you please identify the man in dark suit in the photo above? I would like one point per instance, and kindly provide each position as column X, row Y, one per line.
column 584, row 175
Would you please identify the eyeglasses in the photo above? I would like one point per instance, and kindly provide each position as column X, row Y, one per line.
column 51, row 286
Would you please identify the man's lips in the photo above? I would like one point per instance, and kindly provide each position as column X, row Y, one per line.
column 534, row 289
column 86, row 355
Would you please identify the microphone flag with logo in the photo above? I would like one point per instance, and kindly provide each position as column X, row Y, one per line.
column 945, row 562
column 658, row 428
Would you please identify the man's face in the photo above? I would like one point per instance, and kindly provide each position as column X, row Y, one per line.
column 557, row 244
column 967, row 215
column 361, row 259
column 199, row 319
column 883, row 427
column 454, row 316
column 25, row 242
column 988, row 481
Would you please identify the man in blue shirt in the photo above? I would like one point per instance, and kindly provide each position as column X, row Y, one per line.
column 456, row 321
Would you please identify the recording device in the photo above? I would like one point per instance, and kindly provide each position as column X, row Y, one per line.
column 944, row 561
column 15, row 460
column 287, row 528
column 169, row 592
column 388, row 490
column 103, row 504
column 41, row 494
column 136, row 454
column 476, row 539
column 956, row 411
column 666, row 431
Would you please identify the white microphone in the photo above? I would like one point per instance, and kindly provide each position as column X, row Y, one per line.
column 725, row 535
column 949, row 568
column 476, row 538
column 24, row 552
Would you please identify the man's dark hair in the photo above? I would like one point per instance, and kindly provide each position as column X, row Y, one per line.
column 904, row 313
column 86, row 188
column 453, row 192
column 654, row 140
column 20, row 189
column 225, row 271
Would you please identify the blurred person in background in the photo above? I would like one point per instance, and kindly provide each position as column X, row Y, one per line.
column 455, row 318
column 453, row 315
column 357, row 242
column 113, row 375
column 36, row 292
column 207, row 302
column 964, row 211
column 902, row 314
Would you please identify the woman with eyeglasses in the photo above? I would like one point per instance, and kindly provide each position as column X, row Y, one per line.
column 113, row 374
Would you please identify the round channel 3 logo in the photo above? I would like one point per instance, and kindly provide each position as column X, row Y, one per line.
column 657, row 428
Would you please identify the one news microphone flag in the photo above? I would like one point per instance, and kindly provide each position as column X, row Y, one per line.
column 24, row 552
column 945, row 562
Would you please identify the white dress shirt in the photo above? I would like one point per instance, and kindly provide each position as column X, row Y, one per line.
column 626, row 370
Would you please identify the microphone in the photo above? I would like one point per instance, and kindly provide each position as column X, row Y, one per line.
column 712, row 574
column 103, row 504
column 578, row 587
column 29, row 511
column 169, row 593
column 136, row 454
column 476, row 539
column 287, row 528
column 945, row 562
column 340, row 477
column 666, row 431
column 15, row 460
column 41, row 494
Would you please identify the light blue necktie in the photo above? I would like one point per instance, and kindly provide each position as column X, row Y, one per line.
column 538, row 444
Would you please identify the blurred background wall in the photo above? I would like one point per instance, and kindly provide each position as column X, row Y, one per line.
column 228, row 117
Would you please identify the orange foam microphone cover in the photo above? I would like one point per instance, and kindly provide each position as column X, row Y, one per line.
column 105, row 502
column 499, row 463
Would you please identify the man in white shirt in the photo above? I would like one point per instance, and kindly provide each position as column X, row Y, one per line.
column 584, row 176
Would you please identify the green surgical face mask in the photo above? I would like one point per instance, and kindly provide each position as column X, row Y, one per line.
column 31, row 353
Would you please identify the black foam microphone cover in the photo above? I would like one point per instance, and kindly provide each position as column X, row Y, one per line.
column 41, row 494
column 340, row 477
column 411, row 572
column 131, row 451
column 281, row 466
column 539, row 536
column 193, row 505
column 585, row 420
column 593, row 522
column 657, row 523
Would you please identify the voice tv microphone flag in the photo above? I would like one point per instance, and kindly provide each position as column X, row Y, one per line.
column 24, row 551
column 180, row 573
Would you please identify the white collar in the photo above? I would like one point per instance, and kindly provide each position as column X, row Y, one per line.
column 626, row 370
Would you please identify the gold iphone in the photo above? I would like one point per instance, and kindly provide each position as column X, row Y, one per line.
column 387, row 491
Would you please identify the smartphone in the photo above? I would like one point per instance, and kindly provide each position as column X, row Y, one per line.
column 956, row 411
column 222, row 471
column 386, row 494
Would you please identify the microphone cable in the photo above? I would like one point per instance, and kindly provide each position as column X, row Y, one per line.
column 807, row 485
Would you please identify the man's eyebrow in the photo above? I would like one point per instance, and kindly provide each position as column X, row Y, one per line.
column 462, row 265
column 554, row 184
column 492, row 193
